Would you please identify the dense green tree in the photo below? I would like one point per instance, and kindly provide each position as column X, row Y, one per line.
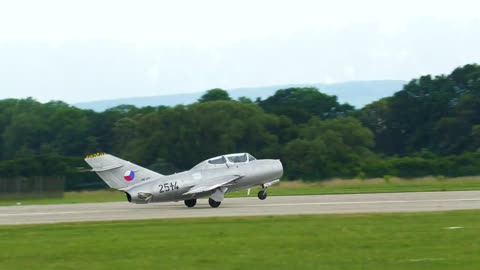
column 300, row 104
column 214, row 95
column 376, row 117
column 187, row 134
column 336, row 147
column 434, row 113
column 431, row 127
column 245, row 100
column 305, row 159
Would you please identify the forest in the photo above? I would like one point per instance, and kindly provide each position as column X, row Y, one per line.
column 430, row 127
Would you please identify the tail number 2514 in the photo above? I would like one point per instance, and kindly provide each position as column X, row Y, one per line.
column 168, row 187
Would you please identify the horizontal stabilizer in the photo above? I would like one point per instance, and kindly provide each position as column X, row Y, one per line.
column 107, row 168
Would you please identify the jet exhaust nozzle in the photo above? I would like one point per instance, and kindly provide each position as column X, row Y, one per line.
column 139, row 198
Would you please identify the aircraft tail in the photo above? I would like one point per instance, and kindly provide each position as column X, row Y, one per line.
column 118, row 173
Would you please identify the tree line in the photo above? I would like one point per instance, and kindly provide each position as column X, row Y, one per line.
column 430, row 127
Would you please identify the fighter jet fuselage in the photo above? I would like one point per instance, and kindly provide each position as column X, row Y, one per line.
column 211, row 178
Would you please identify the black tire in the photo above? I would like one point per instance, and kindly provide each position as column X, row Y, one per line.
column 190, row 203
column 262, row 195
column 213, row 204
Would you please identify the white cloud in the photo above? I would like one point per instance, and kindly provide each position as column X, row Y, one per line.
column 206, row 23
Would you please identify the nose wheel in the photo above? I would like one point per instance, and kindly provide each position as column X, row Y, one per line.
column 190, row 203
column 213, row 204
column 262, row 194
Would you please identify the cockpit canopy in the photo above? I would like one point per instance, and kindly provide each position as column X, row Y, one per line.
column 226, row 159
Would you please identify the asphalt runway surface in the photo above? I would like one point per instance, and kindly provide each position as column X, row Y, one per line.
column 250, row 206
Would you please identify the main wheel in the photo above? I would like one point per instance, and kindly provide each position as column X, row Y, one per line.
column 190, row 203
column 262, row 195
column 213, row 204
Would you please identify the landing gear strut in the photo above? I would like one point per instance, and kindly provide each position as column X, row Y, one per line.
column 213, row 204
column 262, row 194
column 190, row 203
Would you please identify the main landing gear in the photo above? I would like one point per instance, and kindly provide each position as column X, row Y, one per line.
column 213, row 204
column 190, row 203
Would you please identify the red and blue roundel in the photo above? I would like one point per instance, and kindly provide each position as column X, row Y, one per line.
column 129, row 175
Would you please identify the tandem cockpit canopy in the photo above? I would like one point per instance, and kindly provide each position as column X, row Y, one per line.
column 226, row 159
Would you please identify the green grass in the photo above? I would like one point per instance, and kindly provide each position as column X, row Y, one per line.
column 360, row 241
column 353, row 186
column 292, row 188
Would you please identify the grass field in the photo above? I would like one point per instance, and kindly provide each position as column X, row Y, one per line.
column 339, row 186
column 367, row 241
column 292, row 188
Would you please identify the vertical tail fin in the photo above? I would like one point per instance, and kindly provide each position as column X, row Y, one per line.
column 118, row 173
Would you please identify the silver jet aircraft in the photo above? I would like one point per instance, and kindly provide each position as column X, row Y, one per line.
column 211, row 178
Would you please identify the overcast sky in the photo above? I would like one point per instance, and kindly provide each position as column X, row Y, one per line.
column 90, row 50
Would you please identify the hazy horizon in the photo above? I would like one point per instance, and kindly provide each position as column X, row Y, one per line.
column 279, row 86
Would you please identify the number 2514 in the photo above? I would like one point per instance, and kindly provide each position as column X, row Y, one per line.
column 168, row 187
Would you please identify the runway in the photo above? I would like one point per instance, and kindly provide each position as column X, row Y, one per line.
column 251, row 206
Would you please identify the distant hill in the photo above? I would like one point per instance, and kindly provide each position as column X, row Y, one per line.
column 357, row 93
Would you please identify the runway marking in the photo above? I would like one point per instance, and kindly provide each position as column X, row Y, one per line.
column 240, row 206
column 59, row 213
column 365, row 202
column 453, row 228
column 426, row 259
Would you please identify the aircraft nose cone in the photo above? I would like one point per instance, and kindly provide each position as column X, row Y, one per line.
column 278, row 168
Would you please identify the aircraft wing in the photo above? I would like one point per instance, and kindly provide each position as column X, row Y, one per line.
column 213, row 183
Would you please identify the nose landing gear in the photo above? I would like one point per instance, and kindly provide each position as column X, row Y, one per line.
column 262, row 194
